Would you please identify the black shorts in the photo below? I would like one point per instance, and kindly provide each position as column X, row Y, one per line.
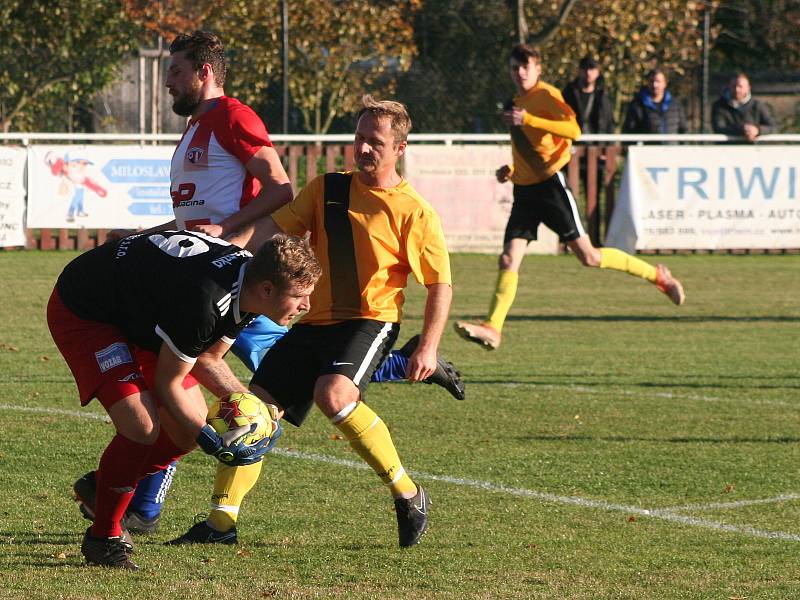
column 353, row 348
column 549, row 202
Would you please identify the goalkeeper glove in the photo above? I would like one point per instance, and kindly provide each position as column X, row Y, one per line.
column 236, row 453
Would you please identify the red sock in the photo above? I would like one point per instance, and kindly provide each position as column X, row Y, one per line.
column 161, row 454
column 120, row 466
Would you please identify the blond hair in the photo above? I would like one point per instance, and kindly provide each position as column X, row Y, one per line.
column 285, row 260
column 396, row 112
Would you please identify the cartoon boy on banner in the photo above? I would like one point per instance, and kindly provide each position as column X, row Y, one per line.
column 72, row 168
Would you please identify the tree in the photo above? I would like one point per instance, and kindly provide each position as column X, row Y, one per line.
column 758, row 35
column 548, row 29
column 460, row 74
column 339, row 50
column 55, row 56
column 628, row 37
column 168, row 18
column 250, row 30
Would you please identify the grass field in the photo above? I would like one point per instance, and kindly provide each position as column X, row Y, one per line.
column 615, row 446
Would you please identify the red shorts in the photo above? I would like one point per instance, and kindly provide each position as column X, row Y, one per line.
column 104, row 363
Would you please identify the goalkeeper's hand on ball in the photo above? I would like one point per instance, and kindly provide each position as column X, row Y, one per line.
column 229, row 448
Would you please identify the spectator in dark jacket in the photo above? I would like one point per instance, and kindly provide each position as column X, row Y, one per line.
column 587, row 96
column 738, row 113
column 654, row 109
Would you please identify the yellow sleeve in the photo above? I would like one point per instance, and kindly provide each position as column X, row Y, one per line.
column 567, row 128
column 426, row 250
column 297, row 217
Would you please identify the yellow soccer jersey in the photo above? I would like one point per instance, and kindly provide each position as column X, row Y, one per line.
column 549, row 129
column 367, row 242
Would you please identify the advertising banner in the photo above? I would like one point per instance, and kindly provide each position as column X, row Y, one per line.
column 99, row 186
column 708, row 198
column 12, row 196
column 459, row 182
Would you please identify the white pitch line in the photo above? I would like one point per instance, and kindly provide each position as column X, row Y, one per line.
column 667, row 395
column 581, row 389
column 663, row 514
column 58, row 411
column 726, row 505
column 568, row 500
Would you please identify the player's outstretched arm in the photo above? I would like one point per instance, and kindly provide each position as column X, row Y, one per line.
column 276, row 190
column 118, row 234
column 213, row 372
column 189, row 413
column 566, row 127
column 254, row 234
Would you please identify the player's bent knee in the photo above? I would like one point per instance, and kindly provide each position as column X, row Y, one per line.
column 141, row 433
column 136, row 418
column 333, row 392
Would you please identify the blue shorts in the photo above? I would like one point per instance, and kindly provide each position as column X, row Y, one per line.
column 253, row 342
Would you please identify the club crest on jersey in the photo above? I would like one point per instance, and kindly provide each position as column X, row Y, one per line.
column 114, row 355
column 194, row 155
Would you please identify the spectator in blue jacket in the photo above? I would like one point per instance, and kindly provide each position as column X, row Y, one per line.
column 654, row 109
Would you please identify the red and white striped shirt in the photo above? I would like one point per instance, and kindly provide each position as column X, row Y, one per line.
column 208, row 178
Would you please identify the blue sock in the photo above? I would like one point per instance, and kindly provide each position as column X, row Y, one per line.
column 392, row 369
column 151, row 492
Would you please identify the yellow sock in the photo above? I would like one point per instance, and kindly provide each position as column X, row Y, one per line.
column 611, row 258
column 370, row 438
column 504, row 292
column 230, row 487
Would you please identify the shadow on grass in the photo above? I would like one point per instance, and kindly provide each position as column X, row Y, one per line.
column 30, row 538
column 653, row 386
column 347, row 547
column 610, row 388
column 760, row 386
column 38, row 557
column 665, row 440
column 643, row 318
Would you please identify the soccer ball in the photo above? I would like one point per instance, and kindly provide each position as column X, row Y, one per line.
column 238, row 410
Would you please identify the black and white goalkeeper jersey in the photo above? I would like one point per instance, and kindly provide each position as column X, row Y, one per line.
column 175, row 287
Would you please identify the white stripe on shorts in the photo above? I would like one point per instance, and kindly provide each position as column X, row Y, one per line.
column 572, row 205
column 382, row 334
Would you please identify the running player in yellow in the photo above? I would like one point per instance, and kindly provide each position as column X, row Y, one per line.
column 543, row 128
column 370, row 230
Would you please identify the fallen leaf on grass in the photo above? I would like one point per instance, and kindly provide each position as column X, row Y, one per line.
column 728, row 489
column 44, row 358
column 336, row 436
column 60, row 556
column 243, row 552
column 631, row 518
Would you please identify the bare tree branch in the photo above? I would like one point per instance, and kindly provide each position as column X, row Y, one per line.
column 549, row 28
